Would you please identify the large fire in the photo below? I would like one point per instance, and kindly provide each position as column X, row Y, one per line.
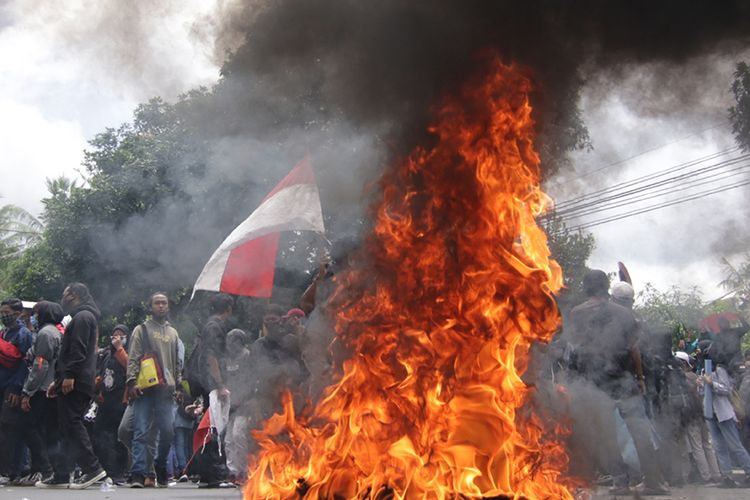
column 440, row 326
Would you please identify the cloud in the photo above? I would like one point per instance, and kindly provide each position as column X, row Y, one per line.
column 34, row 148
column 655, row 116
column 70, row 69
column 136, row 49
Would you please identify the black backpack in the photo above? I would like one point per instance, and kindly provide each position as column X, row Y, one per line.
column 681, row 399
column 194, row 368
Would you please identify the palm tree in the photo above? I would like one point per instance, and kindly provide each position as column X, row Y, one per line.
column 18, row 230
column 60, row 186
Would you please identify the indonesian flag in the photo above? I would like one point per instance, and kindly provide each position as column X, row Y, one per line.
column 244, row 263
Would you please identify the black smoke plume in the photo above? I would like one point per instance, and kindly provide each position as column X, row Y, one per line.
column 354, row 84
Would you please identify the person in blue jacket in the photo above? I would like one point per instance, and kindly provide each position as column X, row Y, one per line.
column 16, row 342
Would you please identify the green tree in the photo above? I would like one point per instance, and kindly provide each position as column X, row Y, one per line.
column 35, row 274
column 146, row 218
column 160, row 192
column 18, row 230
column 571, row 249
column 736, row 282
column 739, row 114
column 677, row 309
column 130, row 171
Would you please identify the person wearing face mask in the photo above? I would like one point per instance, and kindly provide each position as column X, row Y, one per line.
column 34, row 322
column 112, row 365
column 15, row 341
column 75, row 380
column 34, row 403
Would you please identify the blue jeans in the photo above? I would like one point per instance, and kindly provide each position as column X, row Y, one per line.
column 155, row 407
column 632, row 409
column 183, row 446
column 726, row 440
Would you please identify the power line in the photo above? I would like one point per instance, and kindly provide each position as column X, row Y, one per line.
column 625, row 160
column 659, row 206
column 644, row 178
column 639, row 180
column 640, row 189
column 651, row 193
column 648, row 187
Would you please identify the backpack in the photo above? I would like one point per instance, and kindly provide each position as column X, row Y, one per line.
column 681, row 401
column 10, row 354
column 193, row 372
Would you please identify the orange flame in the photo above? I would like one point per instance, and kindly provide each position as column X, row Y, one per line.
column 441, row 327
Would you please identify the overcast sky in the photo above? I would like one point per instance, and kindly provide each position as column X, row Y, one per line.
column 70, row 69
column 68, row 72
column 643, row 120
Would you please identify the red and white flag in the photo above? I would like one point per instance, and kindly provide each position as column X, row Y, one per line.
column 244, row 264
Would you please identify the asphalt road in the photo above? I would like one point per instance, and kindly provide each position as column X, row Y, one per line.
column 183, row 491
column 180, row 491
column 687, row 493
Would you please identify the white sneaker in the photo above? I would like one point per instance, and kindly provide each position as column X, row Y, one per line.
column 31, row 479
column 52, row 481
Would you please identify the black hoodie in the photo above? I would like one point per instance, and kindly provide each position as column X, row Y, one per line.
column 113, row 374
column 78, row 351
column 49, row 313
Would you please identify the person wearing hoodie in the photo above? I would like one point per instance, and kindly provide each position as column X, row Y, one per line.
column 16, row 340
column 607, row 360
column 153, row 405
column 214, row 337
column 696, row 432
column 75, row 380
column 112, row 364
column 721, row 418
column 34, row 402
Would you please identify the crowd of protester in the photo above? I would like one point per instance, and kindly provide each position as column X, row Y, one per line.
column 132, row 407
column 649, row 412
column 137, row 410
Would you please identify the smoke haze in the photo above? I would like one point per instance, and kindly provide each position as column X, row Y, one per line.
column 354, row 85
